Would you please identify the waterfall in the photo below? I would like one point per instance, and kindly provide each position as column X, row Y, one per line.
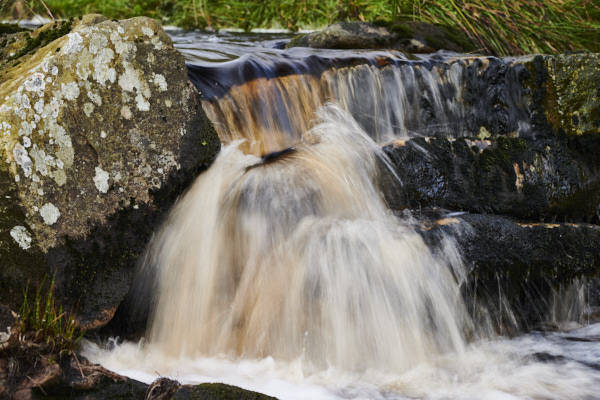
column 390, row 98
column 283, row 269
column 301, row 258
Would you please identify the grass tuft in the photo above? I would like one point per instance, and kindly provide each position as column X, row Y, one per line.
column 499, row 27
column 47, row 324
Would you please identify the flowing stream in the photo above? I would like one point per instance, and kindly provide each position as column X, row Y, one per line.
column 282, row 269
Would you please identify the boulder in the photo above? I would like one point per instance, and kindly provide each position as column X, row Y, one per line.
column 408, row 36
column 100, row 131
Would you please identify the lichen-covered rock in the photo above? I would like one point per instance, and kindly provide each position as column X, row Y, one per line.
column 100, row 131
column 408, row 36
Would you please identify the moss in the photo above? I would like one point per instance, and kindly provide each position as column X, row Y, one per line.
column 403, row 31
column 6, row 29
column 43, row 38
column 217, row 391
column 434, row 42
column 459, row 37
column 298, row 41
column 382, row 23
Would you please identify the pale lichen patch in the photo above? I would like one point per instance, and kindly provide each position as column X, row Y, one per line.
column 36, row 84
column 50, row 213
column 142, row 103
column 158, row 44
column 123, row 47
column 22, row 159
column 74, row 44
column 126, row 112
column 39, row 106
column 159, row 80
column 132, row 80
column 88, row 109
column 101, row 180
column 70, row 91
column 94, row 97
column 102, row 67
column 21, row 236
column 147, row 31
column 83, row 71
column 97, row 43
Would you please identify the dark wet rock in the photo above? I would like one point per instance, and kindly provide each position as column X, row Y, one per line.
column 514, row 267
column 544, row 180
column 408, row 36
column 100, row 132
column 33, row 368
column 9, row 328
column 50, row 376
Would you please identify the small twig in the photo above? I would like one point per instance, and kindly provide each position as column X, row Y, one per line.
column 37, row 384
column 48, row 10
column 78, row 363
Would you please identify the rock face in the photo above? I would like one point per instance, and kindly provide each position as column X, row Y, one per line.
column 100, row 132
column 408, row 36
column 523, row 263
column 540, row 180
column 572, row 98
column 543, row 178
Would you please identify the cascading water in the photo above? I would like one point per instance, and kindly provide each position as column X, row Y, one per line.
column 300, row 258
column 282, row 269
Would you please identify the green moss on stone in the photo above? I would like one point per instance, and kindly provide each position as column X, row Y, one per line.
column 6, row 29
column 43, row 38
column 459, row 37
column 403, row 31
column 218, row 391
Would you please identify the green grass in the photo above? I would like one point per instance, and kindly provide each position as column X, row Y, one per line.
column 500, row 27
column 43, row 322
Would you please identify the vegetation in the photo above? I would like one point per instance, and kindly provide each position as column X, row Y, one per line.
column 44, row 323
column 501, row 27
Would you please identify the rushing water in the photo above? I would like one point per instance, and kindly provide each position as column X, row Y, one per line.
column 282, row 269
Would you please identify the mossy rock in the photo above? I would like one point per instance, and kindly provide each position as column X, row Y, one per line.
column 408, row 36
column 217, row 391
column 100, row 132
column 569, row 91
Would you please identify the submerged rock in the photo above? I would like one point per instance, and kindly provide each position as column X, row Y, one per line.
column 408, row 36
column 100, row 131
